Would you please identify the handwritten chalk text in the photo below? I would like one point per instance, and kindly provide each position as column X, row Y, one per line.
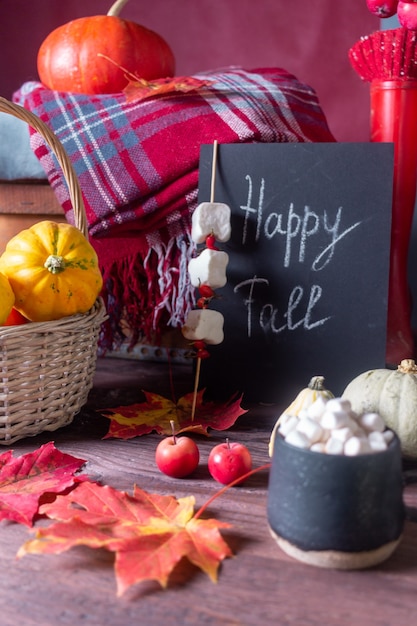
column 297, row 228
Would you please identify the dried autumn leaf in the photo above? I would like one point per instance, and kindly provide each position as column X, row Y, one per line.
column 139, row 89
column 157, row 412
column 26, row 479
column 148, row 533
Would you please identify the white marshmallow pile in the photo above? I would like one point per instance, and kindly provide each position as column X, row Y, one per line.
column 331, row 427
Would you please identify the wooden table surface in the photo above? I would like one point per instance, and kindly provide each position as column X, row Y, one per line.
column 259, row 585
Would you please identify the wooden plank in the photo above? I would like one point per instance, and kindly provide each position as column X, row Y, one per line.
column 22, row 205
column 28, row 198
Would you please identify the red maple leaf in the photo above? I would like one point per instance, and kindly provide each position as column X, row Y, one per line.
column 157, row 413
column 25, row 480
column 148, row 533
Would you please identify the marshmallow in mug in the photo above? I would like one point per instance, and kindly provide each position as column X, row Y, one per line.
column 331, row 427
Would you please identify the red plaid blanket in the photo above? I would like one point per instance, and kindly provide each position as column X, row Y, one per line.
column 137, row 164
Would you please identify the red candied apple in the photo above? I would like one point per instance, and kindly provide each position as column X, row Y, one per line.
column 407, row 14
column 229, row 461
column 177, row 456
column 382, row 8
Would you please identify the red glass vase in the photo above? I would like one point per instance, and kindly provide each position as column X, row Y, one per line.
column 394, row 119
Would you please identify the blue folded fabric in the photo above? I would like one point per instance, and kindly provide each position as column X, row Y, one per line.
column 17, row 160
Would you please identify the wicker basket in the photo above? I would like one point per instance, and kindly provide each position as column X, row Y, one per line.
column 47, row 368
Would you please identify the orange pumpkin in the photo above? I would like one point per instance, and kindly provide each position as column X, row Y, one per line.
column 92, row 55
column 53, row 271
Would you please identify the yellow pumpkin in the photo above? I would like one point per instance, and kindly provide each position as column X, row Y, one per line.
column 307, row 396
column 393, row 394
column 7, row 298
column 53, row 271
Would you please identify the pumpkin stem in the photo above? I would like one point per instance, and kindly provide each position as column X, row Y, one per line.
column 116, row 7
column 407, row 366
column 317, row 382
column 55, row 264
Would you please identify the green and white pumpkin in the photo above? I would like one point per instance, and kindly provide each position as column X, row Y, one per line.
column 392, row 394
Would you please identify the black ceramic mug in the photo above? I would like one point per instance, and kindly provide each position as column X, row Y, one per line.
column 338, row 511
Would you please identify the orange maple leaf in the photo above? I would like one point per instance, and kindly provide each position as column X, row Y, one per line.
column 26, row 479
column 148, row 533
column 157, row 413
column 139, row 89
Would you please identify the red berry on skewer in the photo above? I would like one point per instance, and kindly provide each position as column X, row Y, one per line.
column 206, row 291
column 203, row 354
column 211, row 242
column 203, row 303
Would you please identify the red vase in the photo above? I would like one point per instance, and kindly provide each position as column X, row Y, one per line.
column 394, row 119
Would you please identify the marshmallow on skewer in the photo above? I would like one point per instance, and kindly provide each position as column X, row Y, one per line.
column 204, row 325
column 211, row 218
column 209, row 268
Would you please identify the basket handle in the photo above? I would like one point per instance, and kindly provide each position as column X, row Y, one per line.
column 62, row 157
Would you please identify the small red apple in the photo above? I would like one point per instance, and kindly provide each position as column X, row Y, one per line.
column 229, row 461
column 177, row 456
column 382, row 8
column 407, row 14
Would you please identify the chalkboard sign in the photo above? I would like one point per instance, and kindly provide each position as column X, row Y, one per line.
column 308, row 268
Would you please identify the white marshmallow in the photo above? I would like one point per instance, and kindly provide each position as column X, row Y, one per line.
column 356, row 445
column 317, row 408
column 205, row 325
column 334, row 446
column 372, row 421
column 342, row 434
column 311, row 429
column 318, row 447
column 288, row 424
column 211, row 218
column 295, row 438
column 388, row 435
column 209, row 268
column 334, row 419
column 377, row 441
column 354, row 425
column 338, row 405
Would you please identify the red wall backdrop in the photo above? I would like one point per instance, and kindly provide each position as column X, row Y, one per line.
column 309, row 39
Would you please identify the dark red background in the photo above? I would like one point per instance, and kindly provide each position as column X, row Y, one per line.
column 309, row 39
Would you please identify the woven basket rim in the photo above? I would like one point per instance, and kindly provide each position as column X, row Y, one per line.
column 58, row 325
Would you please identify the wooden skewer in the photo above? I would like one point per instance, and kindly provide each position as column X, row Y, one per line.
column 198, row 365
column 213, row 171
